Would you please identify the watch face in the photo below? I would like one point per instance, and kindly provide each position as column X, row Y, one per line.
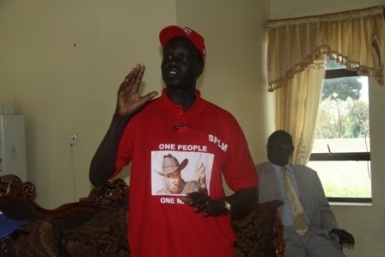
column 227, row 206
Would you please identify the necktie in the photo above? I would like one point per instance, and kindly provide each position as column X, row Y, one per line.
column 299, row 216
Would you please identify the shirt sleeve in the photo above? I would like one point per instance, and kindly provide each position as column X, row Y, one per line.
column 240, row 171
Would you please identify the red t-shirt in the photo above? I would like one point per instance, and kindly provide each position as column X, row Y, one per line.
column 205, row 136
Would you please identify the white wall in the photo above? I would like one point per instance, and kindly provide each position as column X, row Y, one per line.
column 367, row 224
column 62, row 63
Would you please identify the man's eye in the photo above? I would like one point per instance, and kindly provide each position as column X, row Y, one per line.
column 183, row 57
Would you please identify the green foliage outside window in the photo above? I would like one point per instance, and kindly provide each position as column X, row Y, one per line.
column 342, row 114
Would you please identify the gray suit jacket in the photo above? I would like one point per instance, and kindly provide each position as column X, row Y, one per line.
column 321, row 217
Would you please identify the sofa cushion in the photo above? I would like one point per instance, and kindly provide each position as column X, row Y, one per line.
column 38, row 238
column 254, row 231
column 105, row 235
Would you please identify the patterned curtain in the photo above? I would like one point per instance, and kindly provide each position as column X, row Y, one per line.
column 297, row 49
column 296, row 108
column 354, row 38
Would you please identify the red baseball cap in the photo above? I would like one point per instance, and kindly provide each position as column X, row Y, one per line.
column 169, row 32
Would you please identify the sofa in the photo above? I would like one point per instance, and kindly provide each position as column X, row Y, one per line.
column 96, row 225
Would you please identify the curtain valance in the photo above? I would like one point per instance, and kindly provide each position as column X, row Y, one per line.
column 353, row 38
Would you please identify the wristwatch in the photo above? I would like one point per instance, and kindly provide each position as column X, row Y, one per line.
column 227, row 206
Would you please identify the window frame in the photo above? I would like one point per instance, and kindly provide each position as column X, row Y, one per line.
column 345, row 156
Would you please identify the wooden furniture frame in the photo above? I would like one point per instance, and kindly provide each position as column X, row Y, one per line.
column 17, row 202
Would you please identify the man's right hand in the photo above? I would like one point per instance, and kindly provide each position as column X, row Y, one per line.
column 129, row 101
column 345, row 238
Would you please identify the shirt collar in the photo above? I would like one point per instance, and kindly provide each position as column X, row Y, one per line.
column 166, row 102
column 288, row 166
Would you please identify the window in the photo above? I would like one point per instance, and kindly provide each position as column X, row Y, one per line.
column 341, row 150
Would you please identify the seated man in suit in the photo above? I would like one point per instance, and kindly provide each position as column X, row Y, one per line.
column 320, row 235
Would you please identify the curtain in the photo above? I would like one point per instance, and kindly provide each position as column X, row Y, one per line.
column 297, row 50
column 296, row 108
column 353, row 38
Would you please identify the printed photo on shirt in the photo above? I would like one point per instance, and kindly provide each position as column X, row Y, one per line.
column 179, row 173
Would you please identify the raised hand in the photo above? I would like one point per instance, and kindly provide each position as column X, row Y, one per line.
column 129, row 101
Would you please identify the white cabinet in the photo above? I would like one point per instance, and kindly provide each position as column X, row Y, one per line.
column 12, row 146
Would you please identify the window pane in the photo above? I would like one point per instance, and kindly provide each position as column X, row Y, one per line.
column 344, row 109
column 344, row 178
column 341, row 145
column 332, row 65
column 343, row 127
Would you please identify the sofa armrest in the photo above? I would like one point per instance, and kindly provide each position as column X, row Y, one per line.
column 279, row 243
column 67, row 228
column 259, row 232
column 16, row 198
column 108, row 194
column 17, row 201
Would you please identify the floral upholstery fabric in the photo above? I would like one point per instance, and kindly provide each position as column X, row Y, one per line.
column 37, row 239
column 255, row 232
column 105, row 235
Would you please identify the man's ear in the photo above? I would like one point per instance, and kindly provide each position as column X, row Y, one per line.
column 291, row 149
column 200, row 68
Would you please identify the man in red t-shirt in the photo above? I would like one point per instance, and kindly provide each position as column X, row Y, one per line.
column 178, row 125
